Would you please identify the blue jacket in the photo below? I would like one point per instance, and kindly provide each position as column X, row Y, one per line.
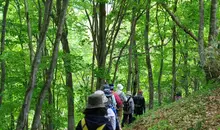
column 93, row 122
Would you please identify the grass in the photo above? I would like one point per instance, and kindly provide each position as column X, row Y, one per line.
column 199, row 111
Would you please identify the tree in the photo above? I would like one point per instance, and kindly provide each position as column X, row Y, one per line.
column 3, row 69
column 22, row 119
column 50, row 72
column 29, row 31
column 101, row 47
column 213, row 22
column 148, row 60
column 201, row 33
column 174, row 36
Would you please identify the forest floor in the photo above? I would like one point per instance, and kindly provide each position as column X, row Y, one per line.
column 201, row 111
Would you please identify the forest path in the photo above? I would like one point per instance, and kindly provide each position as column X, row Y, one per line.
column 199, row 111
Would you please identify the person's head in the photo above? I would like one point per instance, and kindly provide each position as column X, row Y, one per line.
column 104, row 98
column 111, row 87
column 140, row 92
column 95, row 105
column 108, row 92
column 128, row 93
column 120, row 87
column 105, row 86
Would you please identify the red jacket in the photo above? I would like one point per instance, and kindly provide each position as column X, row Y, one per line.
column 118, row 99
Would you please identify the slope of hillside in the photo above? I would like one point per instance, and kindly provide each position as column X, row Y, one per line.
column 198, row 112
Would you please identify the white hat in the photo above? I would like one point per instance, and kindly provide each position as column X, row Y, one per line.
column 120, row 87
column 128, row 93
column 100, row 92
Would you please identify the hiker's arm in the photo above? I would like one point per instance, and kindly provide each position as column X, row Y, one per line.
column 114, row 101
column 132, row 105
column 124, row 97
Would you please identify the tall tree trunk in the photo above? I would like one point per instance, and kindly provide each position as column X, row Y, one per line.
column 3, row 70
column 69, row 81
column 136, row 69
column 49, row 115
column 148, row 60
column 29, row 31
column 201, row 34
column 211, row 67
column 22, row 119
column 173, row 89
column 93, row 28
column 186, row 70
column 47, row 84
column 101, row 48
column 161, row 59
column 213, row 22
column 196, row 84
column 130, row 58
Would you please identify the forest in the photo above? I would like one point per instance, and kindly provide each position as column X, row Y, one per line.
column 55, row 53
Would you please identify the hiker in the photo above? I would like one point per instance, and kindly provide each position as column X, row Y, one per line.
column 121, row 93
column 106, row 89
column 122, row 97
column 128, row 109
column 139, row 103
column 119, row 102
column 178, row 96
column 111, row 111
column 95, row 113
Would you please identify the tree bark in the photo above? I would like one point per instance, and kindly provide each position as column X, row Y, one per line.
column 201, row 34
column 186, row 70
column 162, row 37
column 173, row 89
column 22, row 119
column 49, row 115
column 148, row 59
column 3, row 69
column 213, row 22
column 130, row 57
column 101, row 48
column 47, row 84
column 69, row 81
column 136, row 70
column 29, row 31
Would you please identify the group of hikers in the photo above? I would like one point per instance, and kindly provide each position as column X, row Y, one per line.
column 110, row 110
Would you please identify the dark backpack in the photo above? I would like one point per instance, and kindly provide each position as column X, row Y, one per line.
column 127, row 105
column 138, row 101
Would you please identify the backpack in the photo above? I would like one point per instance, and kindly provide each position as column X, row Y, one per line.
column 118, row 100
column 138, row 102
column 110, row 101
column 121, row 97
column 84, row 127
column 127, row 105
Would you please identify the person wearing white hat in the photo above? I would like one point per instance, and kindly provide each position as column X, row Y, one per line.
column 123, row 99
column 121, row 93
